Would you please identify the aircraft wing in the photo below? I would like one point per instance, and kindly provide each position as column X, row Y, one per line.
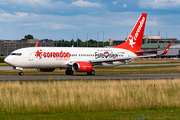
column 131, row 58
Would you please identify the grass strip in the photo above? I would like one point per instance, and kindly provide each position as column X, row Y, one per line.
column 115, row 115
column 88, row 96
column 148, row 99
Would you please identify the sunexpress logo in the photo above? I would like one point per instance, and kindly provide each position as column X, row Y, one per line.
column 134, row 38
column 41, row 54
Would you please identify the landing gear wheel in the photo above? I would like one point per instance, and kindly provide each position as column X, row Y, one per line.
column 91, row 73
column 69, row 72
column 21, row 73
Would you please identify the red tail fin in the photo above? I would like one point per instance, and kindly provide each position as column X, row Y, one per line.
column 134, row 41
column 37, row 44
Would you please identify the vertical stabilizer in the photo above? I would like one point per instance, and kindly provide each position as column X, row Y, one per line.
column 37, row 44
column 134, row 41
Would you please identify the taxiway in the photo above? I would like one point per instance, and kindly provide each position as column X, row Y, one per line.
column 128, row 65
column 85, row 77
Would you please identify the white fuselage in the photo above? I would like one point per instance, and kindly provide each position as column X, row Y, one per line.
column 62, row 57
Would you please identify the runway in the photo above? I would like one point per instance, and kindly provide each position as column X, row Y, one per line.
column 128, row 65
column 96, row 77
column 85, row 77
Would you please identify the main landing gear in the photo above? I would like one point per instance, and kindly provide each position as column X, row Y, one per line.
column 69, row 72
column 91, row 73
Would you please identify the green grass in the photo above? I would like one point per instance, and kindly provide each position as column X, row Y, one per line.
column 1, row 60
column 168, row 62
column 146, row 67
column 113, row 115
column 140, row 70
column 4, row 65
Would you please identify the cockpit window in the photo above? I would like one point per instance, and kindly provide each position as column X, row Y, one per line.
column 13, row 53
column 18, row 54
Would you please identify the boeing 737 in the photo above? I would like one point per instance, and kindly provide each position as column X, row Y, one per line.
column 81, row 59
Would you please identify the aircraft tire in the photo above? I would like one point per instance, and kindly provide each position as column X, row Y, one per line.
column 67, row 72
column 21, row 73
column 91, row 73
column 71, row 72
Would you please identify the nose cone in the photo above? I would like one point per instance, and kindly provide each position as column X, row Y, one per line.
column 8, row 60
column 5, row 60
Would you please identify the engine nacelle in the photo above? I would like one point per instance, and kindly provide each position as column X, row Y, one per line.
column 82, row 67
column 45, row 69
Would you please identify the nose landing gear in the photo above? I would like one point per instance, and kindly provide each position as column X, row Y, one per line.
column 21, row 73
column 21, row 70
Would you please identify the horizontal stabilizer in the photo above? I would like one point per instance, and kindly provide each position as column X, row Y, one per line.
column 167, row 49
column 154, row 50
column 147, row 51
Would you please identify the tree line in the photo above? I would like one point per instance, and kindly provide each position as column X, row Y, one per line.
column 91, row 43
column 66, row 43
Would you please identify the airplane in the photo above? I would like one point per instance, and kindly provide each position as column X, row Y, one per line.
column 82, row 59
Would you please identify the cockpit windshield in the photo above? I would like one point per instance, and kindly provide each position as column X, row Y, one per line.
column 17, row 54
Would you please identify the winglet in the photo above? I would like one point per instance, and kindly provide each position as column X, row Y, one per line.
column 167, row 49
column 37, row 44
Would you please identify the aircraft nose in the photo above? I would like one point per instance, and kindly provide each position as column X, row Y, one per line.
column 8, row 60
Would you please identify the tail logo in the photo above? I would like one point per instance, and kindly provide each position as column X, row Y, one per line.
column 131, row 41
column 131, row 38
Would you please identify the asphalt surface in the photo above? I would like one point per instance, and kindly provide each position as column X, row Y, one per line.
column 85, row 77
column 128, row 65
column 96, row 77
column 10, row 68
column 6, row 68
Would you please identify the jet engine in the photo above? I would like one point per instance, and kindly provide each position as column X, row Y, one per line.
column 82, row 67
column 45, row 69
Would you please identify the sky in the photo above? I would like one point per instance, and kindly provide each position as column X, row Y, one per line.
column 87, row 19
